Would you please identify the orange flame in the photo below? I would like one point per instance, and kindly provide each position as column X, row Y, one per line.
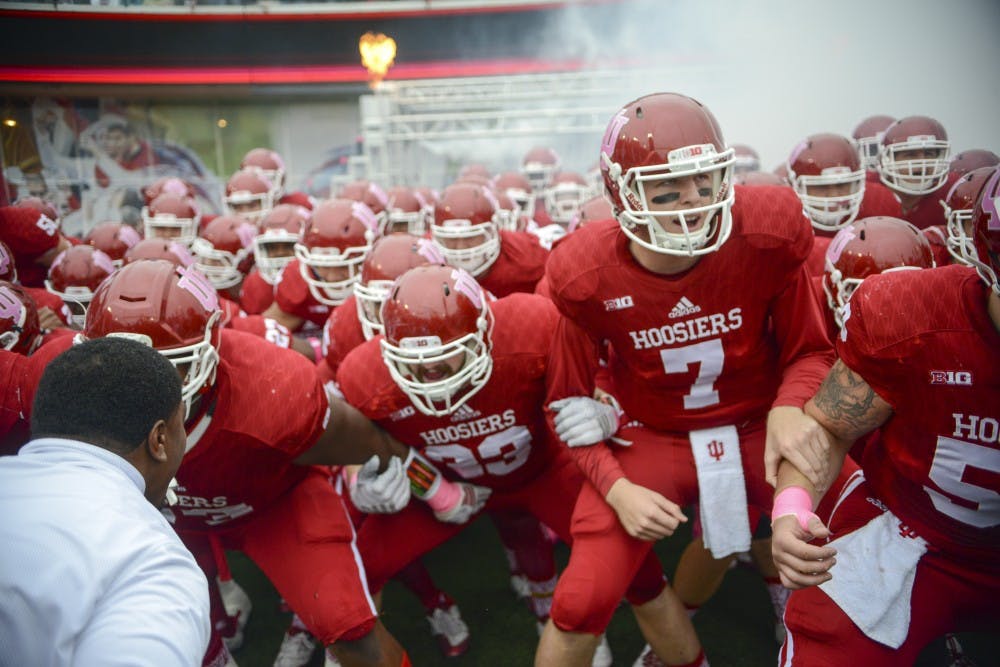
column 377, row 54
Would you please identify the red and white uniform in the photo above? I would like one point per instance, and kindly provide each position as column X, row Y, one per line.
column 703, row 349
column 29, row 234
column 256, row 294
column 878, row 200
column 341, row 334
column 46, row 299
column 519, row 267
column 923, row 340
column 292, row 295
column 497, row 439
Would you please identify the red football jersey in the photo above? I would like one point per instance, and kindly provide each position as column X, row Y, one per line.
column 29, row 233
column 266, row 409
column 498, row 438
column 924, row 341
column 46, row 299
column 519, row 267
column 717, row 344
column 928, row 210
column 292, row 295
column 937, row 236
column 262, row 327
column 341, row 334
column 256, row 294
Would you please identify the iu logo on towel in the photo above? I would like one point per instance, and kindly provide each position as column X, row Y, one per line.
column 716, row 450
column 906, row 531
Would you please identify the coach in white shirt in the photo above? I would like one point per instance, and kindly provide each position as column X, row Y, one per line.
column 91, row 573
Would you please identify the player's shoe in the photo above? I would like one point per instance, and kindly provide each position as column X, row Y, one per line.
column 296, row 649
column 648, row 659
column 452, row 632
column 238, row 607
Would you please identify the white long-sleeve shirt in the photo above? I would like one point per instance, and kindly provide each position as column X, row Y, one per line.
column 91, row 574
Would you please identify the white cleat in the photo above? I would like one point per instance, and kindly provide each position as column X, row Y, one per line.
column 520, row 586
column 602, row 656
column 648, row 659
column 238, row 607
column 296, row 649
column 452, row 632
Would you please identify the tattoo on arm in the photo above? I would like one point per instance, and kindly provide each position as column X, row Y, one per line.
column 848, row 406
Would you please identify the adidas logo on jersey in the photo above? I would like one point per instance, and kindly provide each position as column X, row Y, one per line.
column 684, row 307
column 403, row 413
column 464, row 413
column 618, row 303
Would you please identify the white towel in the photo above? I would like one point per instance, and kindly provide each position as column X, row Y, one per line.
column 722, row 491
column 873, row 578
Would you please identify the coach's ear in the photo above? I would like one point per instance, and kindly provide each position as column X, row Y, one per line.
column 156, row 442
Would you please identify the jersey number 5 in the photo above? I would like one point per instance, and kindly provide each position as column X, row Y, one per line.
column 969, row 473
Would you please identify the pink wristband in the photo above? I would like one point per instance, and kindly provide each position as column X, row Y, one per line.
column 448, row 495
column 317, row 347
column 796, row 501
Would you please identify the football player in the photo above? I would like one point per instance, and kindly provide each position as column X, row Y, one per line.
column 913, row 549
column 705, row 361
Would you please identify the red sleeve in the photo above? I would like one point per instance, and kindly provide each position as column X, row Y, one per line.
column 291, row 292
column 805, row 350
column 342, row 333
column 27, row 231
column 573, row 365
column 256, row 294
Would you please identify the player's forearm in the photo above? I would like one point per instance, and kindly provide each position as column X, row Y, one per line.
column 351, row 438
column 599, row 465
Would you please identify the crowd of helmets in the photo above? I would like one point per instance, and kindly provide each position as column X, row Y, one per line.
column 335, row 241
column 893, row 196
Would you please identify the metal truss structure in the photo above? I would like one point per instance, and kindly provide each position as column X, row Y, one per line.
column 422, row 132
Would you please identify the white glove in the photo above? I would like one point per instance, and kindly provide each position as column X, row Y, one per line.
column 583, row 421
column 383, row 493
column 464, row 500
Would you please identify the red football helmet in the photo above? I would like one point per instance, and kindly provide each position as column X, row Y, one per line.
column 516, row 185
column 958, row 205
column 333, row 246
column 172, row 308
column 224, row 251
column 407, row 211
column 966, row 161
column 986, row 232
column 167, row 185
column 466, row 228
column 174, row 217
column 274, row 246
column 866, row 247
column 19, row 329
column 594, row 209
column 826, row 174
column 165, row 249
column 369, row 194
column 437, row 337
column 661, row 137
column 538, row 166
column 269, row 163
column 474, row 170
column 430, row 196
column 390, row 257
column 249, row 193
column 508, row 215
column 914, row 155
column 755, row 178
column 566, row 193
column 113, row 239
column 40, row 205
column 74, row 276
column 745, row 159
column 867, row 136
column 8, row 267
